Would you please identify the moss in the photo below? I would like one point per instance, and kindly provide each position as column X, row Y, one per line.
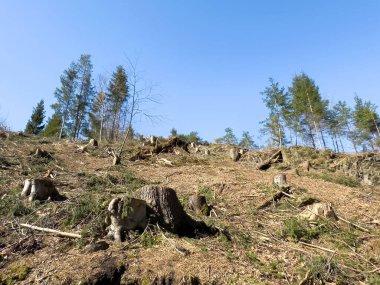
column 14, row 273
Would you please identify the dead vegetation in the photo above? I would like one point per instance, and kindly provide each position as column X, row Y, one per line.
column 292, row 240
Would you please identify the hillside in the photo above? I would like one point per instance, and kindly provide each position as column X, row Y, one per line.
column 267, row 245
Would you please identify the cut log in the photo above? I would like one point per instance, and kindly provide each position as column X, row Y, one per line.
column 276, row 157
column 171, row 144
column 167, row 210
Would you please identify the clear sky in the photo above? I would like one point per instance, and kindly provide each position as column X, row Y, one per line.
column 210, row 59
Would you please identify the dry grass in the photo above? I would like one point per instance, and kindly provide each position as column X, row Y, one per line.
column 254, row 247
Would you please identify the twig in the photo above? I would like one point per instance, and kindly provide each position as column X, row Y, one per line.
column 136, row 239
column 318, row 247
column 65, row 234
column 354, row 225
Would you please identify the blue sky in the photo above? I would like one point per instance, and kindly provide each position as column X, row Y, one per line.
column 209, row 59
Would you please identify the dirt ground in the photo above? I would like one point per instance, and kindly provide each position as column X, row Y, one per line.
column 267, row 246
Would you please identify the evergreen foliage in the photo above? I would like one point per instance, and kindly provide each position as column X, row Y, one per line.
column 229, row 137
column 277, row 101
column 117, row 97
column 35, row 124
column 53, row 127
column 246, row 141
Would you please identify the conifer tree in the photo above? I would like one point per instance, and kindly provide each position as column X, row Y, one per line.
column 277, row 101
column 366, row 122
column 54, row 127
column 83, row 96
column 35, row 124
column 117, row 97
column 229, row 137
column 309, row 110
column 65, row 96
column 247, row 141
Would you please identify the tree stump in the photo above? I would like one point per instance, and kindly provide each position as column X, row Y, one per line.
column 306, row 166
column 279, row 181
column 93, row 142
column 41, row 189
column 198, row 204
column 235, row 154
column 167, row 210
column 116, row 160
column 125, row 214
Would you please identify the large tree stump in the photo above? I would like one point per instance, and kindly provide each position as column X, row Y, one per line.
column 169, row 213
column 41, row 189
column 125, row 214
column 198, row 204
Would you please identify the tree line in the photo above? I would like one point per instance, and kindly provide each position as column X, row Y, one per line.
column 82, row 110
column 297, row 115
column 300, row 116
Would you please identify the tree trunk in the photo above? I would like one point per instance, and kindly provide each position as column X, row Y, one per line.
column 169, row 213
column 311, row 136
column 341, row 144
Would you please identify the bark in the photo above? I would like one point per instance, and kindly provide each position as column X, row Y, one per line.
column 198, row 204
column 276, row 157
column 166, row 209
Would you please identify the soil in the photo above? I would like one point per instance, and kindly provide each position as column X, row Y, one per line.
column 252, row 246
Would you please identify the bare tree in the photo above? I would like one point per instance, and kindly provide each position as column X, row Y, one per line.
column 141, row 94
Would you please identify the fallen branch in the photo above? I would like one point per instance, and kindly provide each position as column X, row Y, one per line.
column 165, row 161
column 317, row 247
column 275, row 198
column 65, row 234
column 354, row 225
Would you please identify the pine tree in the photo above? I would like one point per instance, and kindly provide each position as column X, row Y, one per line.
column 173, row 132
column 98, row 116
column 309, row 110
column 83, row 97
column 366, row 122
column 54, row 127
column 35, row 124
column 65, row 96
column 117, row 97
column 277, row 101
column 229, row 137
column 339, row 119
column 247, row 141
